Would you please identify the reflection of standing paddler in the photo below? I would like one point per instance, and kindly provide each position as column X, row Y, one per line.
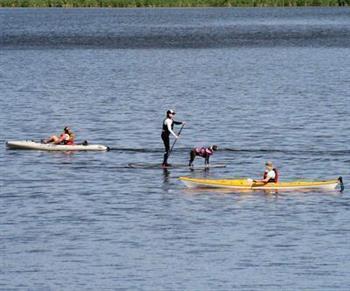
column 168, row 126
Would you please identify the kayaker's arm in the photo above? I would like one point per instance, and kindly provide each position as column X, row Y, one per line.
column 266, row 180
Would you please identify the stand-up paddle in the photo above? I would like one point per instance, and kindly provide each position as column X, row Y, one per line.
column 178, row 135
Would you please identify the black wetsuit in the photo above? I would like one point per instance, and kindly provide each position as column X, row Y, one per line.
column 166, row 139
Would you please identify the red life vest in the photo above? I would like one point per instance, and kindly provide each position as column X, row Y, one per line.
column 69, row 141
column 204, row 152
column 276, row 176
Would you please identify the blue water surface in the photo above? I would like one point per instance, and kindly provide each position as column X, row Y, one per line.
column 263, row 84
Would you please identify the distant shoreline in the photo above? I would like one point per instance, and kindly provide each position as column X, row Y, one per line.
column 171, row 3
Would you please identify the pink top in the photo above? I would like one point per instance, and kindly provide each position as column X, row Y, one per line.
column 204, row 152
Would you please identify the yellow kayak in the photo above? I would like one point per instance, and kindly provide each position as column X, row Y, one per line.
column 249, row 184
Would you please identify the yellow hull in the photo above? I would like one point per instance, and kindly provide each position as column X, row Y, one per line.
column 245, row 184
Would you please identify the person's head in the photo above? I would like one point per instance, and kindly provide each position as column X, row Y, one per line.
column 170, row 113
column 67, row 130
column 269, row 165
column 214, row 147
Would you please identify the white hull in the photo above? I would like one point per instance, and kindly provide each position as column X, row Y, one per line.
column 31, row 145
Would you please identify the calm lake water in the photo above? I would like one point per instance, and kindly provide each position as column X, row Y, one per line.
column 263, row 84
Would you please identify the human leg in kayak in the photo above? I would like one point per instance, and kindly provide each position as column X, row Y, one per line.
column 67, row 137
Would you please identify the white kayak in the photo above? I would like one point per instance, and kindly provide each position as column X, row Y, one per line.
column 31, row 145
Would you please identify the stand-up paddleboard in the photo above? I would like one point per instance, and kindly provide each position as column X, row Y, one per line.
column 172, row 166
column 31, row 145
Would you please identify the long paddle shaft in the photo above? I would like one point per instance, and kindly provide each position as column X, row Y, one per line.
column 178, row 134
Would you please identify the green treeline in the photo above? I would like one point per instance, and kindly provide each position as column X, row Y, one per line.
column 170, row 3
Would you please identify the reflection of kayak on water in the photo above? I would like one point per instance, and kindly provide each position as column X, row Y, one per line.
column 172, row 166
column 249, row 184
column 31, row 145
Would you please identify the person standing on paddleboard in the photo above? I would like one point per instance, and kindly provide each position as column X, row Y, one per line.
column 168, row 126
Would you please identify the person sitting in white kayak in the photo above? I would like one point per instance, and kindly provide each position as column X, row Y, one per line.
column 66, row 138
column 202, row 152
column 271, row 174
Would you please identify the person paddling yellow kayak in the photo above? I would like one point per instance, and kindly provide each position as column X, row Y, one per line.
column 271, row 174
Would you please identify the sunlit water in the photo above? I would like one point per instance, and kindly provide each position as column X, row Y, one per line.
column 263, row 84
